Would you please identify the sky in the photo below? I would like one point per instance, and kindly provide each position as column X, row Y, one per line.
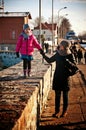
column 76, row 10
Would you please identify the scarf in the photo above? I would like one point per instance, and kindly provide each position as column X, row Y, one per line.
column 24, row 35
column 64, row 52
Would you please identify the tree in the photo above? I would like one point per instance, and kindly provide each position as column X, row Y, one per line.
column 55, row 19
column 37, row 20
column 65, row 26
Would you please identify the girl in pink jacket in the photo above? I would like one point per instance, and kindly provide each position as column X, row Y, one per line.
column 25, row 45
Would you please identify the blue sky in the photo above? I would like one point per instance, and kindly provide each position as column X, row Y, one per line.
column 76, row 10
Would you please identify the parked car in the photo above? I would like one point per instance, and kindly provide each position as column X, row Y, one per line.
column 74, row 39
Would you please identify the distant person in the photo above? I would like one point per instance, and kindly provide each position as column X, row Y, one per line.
column 74, row 51
column 61, row 77
column 25, row 45
column 81, row 42
column 79, row 55
column 46, row 47
column 75, row 55
column 85, row 56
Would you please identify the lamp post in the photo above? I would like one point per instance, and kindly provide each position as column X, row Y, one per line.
column 52, row 27
column 58, row 24
column 40, row 21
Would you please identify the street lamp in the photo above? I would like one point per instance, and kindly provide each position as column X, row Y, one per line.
column 52, row 27
column 58, row 24
column 40, row 21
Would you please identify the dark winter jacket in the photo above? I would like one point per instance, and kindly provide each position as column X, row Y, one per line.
column 61, row 78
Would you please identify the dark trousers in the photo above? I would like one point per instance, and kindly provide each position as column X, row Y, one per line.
column 26, row 64
column 57, row 100
column 26, row 67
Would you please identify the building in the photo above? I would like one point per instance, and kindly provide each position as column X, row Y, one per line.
column 2, row 5
column 46, row 31
column 11, row 24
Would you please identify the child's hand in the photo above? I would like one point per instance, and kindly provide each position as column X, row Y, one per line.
column 42, row 52
column 17, row 54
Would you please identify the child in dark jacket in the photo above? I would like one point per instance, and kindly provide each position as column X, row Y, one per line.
column 25, row 46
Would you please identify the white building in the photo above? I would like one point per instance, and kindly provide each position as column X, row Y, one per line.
column 46, row 32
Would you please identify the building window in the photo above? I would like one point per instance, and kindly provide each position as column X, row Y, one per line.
column 13, row 35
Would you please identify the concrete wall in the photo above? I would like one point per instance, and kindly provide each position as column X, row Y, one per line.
column 22, row 100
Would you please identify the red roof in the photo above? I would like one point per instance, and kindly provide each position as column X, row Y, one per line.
column 47, row 26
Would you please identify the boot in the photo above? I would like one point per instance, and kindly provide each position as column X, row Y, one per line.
column 29, row 72
column 24, row 71
column 64, row 113
column 55, row 114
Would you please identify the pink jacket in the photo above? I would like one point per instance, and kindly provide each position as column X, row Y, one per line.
column 27, row 46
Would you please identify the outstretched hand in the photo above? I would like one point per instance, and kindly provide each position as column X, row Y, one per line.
column 42, row 52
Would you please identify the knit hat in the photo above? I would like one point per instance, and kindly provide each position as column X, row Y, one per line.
column 66, row 44
column 25, row 26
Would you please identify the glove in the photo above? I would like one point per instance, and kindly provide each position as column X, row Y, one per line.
column 42, row 52
column 17, row 54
